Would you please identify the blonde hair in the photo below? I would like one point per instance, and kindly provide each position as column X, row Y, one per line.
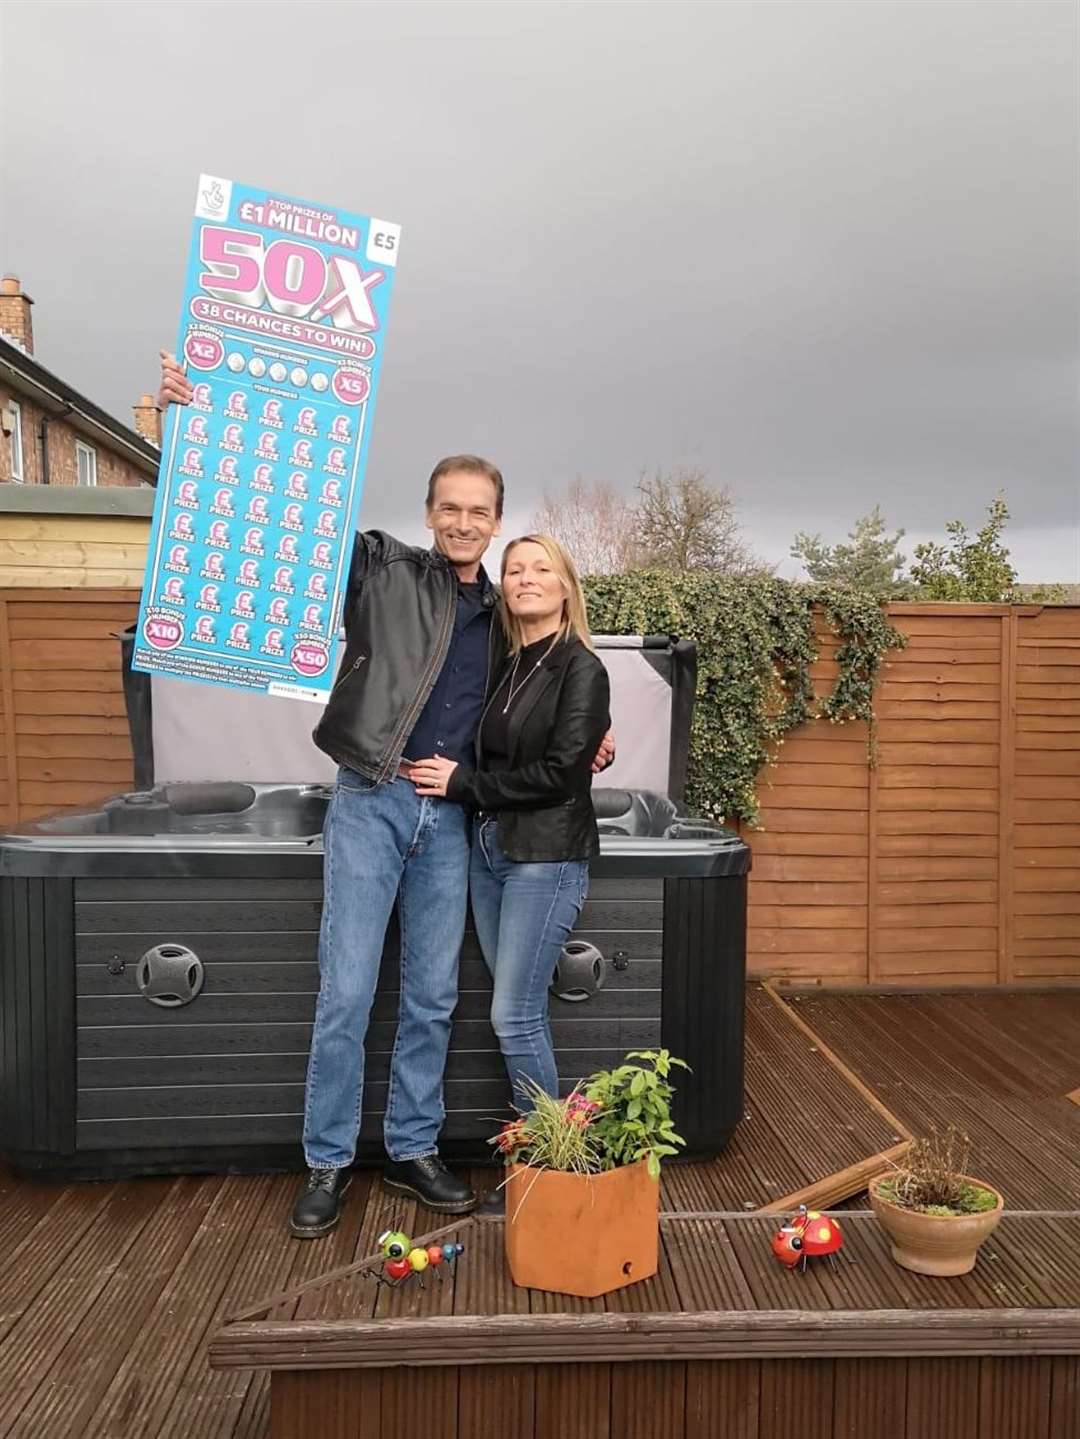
column 575, row 619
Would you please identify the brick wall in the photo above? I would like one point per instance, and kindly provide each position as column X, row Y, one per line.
column 112, row 468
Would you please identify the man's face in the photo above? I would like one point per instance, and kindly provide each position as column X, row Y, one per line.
column 462, row 516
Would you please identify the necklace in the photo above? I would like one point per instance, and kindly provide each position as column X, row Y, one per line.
column 516, row 689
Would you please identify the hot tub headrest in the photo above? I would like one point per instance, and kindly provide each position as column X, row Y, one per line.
column 218, row 797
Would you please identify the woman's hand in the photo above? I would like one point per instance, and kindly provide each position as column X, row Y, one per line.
column 431, row 776
column 176, row 388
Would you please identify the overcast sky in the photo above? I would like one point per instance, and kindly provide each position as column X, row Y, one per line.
column 826, row 252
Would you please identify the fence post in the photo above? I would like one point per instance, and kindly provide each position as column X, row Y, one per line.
column 1006, row 779
column 7, row 714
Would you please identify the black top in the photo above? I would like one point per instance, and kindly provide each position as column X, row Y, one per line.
column 554, row 727
column 495, row 731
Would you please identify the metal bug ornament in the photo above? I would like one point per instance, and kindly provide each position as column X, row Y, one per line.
column 807, row 1235
column 402, row 1258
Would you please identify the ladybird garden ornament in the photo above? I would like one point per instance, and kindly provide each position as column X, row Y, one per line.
column 807, row 1235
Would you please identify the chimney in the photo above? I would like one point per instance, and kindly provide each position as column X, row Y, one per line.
column 148, row 419
column 15, row 313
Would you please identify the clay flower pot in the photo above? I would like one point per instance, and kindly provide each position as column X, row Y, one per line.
column 583, row 1234
column 943, row 1244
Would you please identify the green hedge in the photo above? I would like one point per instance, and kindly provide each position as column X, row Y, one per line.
column 755, row 642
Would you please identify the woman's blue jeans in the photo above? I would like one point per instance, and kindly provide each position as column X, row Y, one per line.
column 524, row 914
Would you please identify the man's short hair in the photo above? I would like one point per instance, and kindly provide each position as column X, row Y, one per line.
column 469, row 465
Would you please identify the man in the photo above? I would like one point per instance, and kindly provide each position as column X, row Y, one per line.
column 422, row 646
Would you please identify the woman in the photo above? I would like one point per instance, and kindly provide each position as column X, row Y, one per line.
column 534, row 830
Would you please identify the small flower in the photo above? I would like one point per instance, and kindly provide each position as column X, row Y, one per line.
column 511, row 1136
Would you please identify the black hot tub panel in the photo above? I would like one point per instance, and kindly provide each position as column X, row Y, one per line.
column 159, row 978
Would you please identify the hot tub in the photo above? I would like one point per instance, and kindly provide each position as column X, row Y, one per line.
column 158, row 977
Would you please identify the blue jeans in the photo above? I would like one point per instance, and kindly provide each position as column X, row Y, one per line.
column 524, row 914
column 384, row 844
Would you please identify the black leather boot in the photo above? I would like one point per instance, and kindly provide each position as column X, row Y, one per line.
column 318, row 1205
column 430, row 1181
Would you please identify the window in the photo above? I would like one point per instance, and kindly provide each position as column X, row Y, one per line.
column 86, row 464
column 16, row 443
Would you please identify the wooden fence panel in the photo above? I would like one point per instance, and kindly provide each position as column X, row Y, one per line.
column 954, row 861
column 965, row 837
column 63, row 727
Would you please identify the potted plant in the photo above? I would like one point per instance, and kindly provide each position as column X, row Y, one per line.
column 582, row 1191
column 935, row 1214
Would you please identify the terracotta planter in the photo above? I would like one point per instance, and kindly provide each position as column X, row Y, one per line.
column 944, row 1244
column 582, row 1234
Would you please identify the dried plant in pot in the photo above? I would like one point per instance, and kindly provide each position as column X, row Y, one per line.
column 935, row 1214
column 582, row 1187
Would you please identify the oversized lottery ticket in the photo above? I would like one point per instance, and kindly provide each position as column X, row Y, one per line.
column 282, row 333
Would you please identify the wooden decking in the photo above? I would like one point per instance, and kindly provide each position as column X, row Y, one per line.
column 110, row 1293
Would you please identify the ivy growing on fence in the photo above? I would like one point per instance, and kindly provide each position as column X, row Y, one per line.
column 756, row 644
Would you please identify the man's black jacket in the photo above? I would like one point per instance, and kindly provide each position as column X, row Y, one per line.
column 399, row 618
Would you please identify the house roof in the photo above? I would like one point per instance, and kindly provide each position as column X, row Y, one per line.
column 25, row 374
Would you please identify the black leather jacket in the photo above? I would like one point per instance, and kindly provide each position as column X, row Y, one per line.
column 399, row 618
column 544, row 800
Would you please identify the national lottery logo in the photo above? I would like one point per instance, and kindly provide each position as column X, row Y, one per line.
column 162, row 629
column 335, row 461
column 326, row 524
column 181, row 527
column 244, row 605
column 208, row 599
column 196, row 429
column 248, row 574
column 331, row 492
column 204, row 630
column 213, row 568
column 297, row 485
column 223, row 504
column 271, row 414
column 301, row 454
column 178, row 560
column 293, row 518
column 278, row 613
column 236, row 408
column 305, row 422
column 232, row 439
column 263, row 479
column 226, row 470
column 320, row 556
column 273, row 644
column 239, row 637
column 287, row 549
column 173, row 590
column 283, row 580
column 219, row 535
column 312, row 619
column 256, row 509
column 340, row 429
column 191, row 464
column 266, row 449
column 200, row 397
column 316, row 588
column 187, row 493
column 253, row 542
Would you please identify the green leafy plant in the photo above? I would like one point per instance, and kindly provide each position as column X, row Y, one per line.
column 932, row 1179
column 615, row 1117
column 634, row 1116
column 756, row 644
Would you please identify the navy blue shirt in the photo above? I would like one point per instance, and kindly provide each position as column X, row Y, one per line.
column 447, row 723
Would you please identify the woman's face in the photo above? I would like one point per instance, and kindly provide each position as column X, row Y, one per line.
column 531, row 585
